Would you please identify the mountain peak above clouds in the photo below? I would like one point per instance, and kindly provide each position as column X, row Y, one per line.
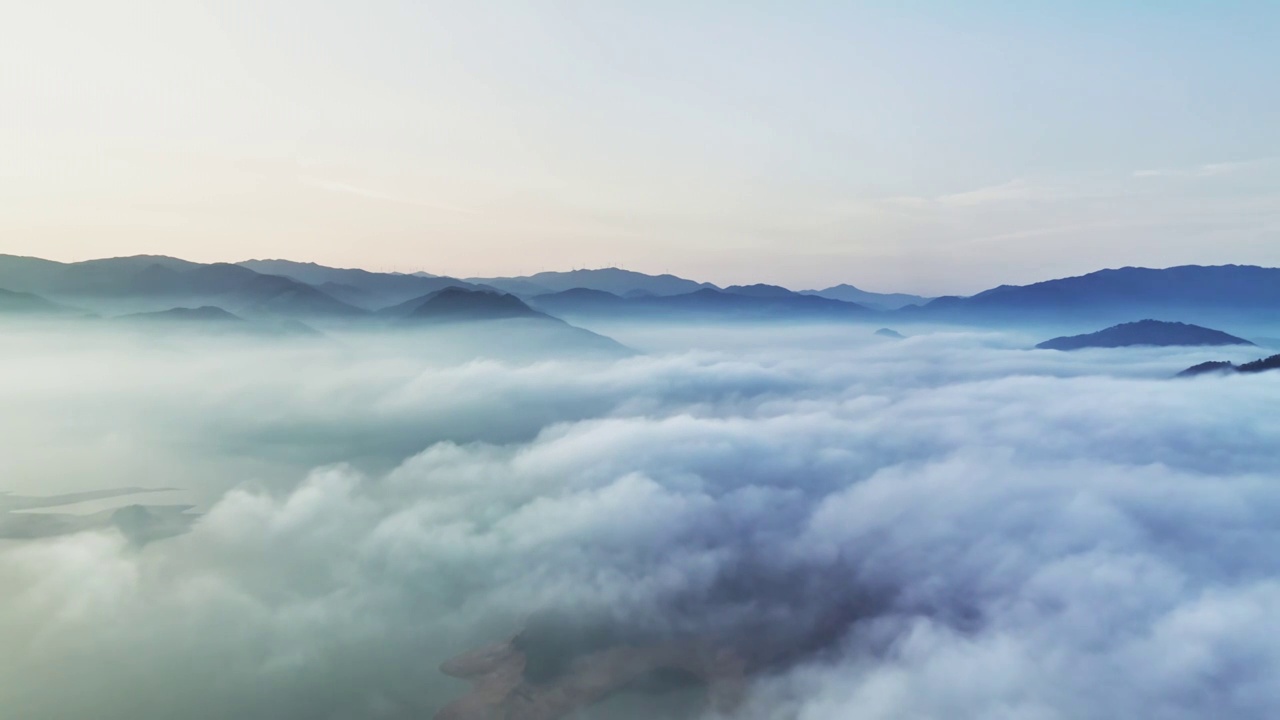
column 1145, row 332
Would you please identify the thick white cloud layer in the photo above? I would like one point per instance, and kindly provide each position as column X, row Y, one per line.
column 997, row 532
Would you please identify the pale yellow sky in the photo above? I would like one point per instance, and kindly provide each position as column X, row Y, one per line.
column 729, row 142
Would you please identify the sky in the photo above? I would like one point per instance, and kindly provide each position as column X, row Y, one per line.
column 921, row 147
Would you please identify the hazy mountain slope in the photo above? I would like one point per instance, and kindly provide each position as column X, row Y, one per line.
column 149, row 283
column 1268, row 363
column 878, row 301
column 280, row 296
column 351, row 295
column 1257, row 366
column 212, row 319
column 764, row 303
column 408, row 307
column 582, row 301
column 759, row 290
column 522, row 288
column 242, row 291
column 736, row 304
column 203, row 314
column 1205, row 368
column 307, row 272
column 1193, row 292
column 486, row 323
column 612, row 280
column 459, row 304
column 1145, row 332
column 358, row 287
column 517, row 339
column 21, row 303
column 28, row 274
column 92, row 277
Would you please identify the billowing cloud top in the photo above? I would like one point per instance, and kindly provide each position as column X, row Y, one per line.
column 948, row 526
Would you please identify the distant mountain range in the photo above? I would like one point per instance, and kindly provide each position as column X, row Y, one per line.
column 454, row 304
column 361, row 288
column 611, row 280
column 27, row 303
column 206, row 314
column 150, row 293
column 1191, row 292
column 316, row 294
column 1205, row 294
column 146, row 283
column 1145, row 332
column 499, row 322
column 873, row 300
column 755, row 302
column 210, row 319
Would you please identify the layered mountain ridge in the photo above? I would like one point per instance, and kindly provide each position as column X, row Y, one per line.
column 1225, row 294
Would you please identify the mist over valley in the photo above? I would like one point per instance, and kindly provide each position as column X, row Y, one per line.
column 463, row 501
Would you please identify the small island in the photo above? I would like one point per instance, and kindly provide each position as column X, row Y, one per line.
column 1153, row 333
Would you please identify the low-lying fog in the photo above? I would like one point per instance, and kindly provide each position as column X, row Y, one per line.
column 946, row 526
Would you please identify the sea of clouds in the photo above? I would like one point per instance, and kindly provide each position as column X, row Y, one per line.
column 970, row 529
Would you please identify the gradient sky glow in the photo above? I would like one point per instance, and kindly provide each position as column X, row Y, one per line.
column 930, row 147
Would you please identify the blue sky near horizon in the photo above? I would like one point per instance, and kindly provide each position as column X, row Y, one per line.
column 920, row 146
